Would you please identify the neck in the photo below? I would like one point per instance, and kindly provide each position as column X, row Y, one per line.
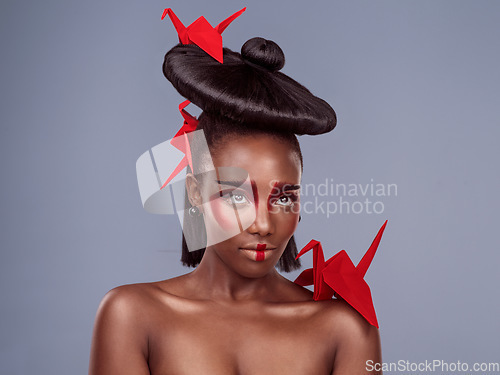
column 215, row 280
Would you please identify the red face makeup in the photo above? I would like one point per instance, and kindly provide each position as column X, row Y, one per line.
column 263, row 210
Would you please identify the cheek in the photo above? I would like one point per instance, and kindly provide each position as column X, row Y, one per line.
column 224, row 215
column 230, row 219
column 287, row 219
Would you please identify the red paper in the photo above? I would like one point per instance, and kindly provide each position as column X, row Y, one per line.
column 201, row 33
column 339, row 276
column 181, row 142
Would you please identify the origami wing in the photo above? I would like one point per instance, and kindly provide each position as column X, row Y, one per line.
column 339, row 275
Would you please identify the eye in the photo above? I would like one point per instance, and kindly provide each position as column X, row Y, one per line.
column 239, row 198
column 235, row 198
column 286, row 200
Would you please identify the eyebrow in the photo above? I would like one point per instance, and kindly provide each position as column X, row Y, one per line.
column 286, row 186
column 281, row 185
column 232, row 183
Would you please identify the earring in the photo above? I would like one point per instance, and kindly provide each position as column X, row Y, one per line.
column 194, row 211
column 300, row 218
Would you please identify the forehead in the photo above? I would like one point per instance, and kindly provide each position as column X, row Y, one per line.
column 265, row 158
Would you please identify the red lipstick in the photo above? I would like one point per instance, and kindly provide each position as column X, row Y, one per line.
column 260, row 252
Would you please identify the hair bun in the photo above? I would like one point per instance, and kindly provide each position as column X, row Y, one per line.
column 264, row 53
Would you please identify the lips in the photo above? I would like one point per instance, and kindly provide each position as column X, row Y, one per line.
column 259, row 246
column 258, row 252
column 261, row 255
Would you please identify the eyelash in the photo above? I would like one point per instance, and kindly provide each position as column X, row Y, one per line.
column 229, row 195
column 292, row 199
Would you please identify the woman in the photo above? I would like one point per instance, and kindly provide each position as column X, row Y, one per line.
column 235, row 314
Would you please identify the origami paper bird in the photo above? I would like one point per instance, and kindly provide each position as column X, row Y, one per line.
column 339, row 275
column 181, row 142
column 201, row 33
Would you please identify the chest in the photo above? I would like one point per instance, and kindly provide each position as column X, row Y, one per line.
column 239, row 343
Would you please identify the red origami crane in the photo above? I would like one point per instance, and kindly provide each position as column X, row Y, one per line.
column 339, row 275
column 201, row 33
column 180, row 141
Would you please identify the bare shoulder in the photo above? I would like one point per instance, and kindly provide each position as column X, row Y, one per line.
column 124, row 295
column 128, row 300
column 347, row 323
column 121, row 331
column 139, row 302
column 356, row 342
column 336, row 313
column 126, row 319
column 126, row 309
column 344, row 333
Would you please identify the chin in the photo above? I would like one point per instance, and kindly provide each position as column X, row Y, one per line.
column 248, row 266
column 255, row 271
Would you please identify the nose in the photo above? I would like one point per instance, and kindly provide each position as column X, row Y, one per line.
column 263, row 224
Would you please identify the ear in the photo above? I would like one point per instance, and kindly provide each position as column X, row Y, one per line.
column 193, row 189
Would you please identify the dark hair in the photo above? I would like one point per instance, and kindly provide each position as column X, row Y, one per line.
column 245, row 95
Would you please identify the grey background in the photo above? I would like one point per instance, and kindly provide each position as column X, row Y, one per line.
column 416, row 88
